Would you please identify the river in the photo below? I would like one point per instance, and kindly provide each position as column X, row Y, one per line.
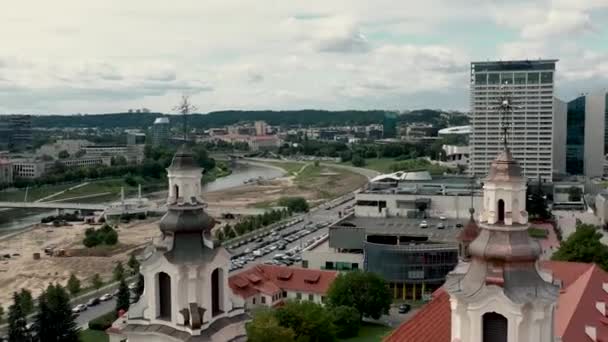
column 23, row 218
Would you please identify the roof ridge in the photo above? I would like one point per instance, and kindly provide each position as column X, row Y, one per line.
column 583, row 282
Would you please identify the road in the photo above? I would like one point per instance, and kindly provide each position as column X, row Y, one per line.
column 316, row 215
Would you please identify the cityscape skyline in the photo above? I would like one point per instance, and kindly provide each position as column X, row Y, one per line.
column 339, row 55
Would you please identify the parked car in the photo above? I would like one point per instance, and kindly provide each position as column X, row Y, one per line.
column 458, row 225
column 93, row 302
column 79, row 308
column 423, row 224
column 105, row 297
column 440, row 225
column 404, row 308
column 442, row 218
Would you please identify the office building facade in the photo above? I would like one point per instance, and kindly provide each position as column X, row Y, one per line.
column 530, row 85
column 15, row 132
column 160, row 131
column 585, row 135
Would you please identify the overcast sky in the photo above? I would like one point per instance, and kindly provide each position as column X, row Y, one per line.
column 98, row 56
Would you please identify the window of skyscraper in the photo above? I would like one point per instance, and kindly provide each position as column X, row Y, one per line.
column 520, row 78
column 546, row 77
column 481, row 78
column 493, row 78
column 533, row 78
column 506, row 78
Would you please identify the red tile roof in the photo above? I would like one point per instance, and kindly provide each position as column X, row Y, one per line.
column 269, row 279
column 582, row 288
column 433, row 323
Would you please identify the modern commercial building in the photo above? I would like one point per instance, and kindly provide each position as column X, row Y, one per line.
column 270, row 286
column 389, row 125
column 261, row 128
column 530, row 85
column 15, row 132
column 136, row 138
column 586, row 135
column 160, row 131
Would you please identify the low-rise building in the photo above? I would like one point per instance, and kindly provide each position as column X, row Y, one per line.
column 133, row 153
column 269, row 285
column 71, row 146
column 456, row 155
column 6, row 171
column 29, row 169
column 322, row 257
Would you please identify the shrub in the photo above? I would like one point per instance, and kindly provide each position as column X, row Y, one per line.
column 103, row 322
column 294, row 204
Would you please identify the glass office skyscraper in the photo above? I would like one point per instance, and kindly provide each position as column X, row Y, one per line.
column 530, row 85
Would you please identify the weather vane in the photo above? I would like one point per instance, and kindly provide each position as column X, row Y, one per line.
column 185, row 108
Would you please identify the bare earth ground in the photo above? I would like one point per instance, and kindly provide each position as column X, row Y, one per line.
column 314, row 183
column 24, row 272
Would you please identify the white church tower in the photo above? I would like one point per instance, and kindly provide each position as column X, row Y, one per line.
column 186, row 295
column 499, row 295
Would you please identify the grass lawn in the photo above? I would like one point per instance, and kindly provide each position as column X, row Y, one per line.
column 538, row 233
column 369, row 333
column 290, row 167
column 93, row 336
column 33, row 193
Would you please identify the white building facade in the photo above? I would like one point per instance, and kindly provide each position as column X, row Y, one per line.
column 531, row 84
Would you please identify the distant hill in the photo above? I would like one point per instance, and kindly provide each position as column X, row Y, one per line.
column 223, row 118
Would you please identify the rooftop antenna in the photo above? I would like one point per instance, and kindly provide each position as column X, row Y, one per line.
column 505, row 107
column 185, row 108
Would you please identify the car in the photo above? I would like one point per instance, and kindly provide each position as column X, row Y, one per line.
column 248, row 250
column 423, row 224
column 93, row 302
column 440, row 226
column 404, row 308
column 257, row 253
column 79, row 308
column 458, row 225
column 278, row 256
column 442, row 218
column 282, row 247
column 105, row 297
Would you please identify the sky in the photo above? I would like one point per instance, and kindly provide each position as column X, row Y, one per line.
column 94, row 56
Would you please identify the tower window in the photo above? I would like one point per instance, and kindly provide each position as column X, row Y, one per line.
column 501, row 211
column 164, row 296
column 176, row 190
column 495, row 327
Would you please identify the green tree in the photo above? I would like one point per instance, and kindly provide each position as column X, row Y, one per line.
column 1, row 315
column 308, row 320
column 111, row 238
column 364, row 291
column 133, row 264
column 26, row 301
column 73, row 285
column 80, row 153
column 357, row 160
column 96, row 281
column 584, row 246
column 119, row 272
column 54, row 318
column 17, row 322
column 123, row 297
column 265, row 327
column 63, row 154
column 294, row 204
column 118, row 161
column 347, row 321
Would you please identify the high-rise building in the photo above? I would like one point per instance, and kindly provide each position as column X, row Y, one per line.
column 531, row 85
column 160, row 131
column 16, row 132
column 585, row 135
column 136, row 138
column 261, row 128
column 389, row 125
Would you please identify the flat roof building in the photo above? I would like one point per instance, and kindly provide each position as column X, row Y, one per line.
column 531, row 86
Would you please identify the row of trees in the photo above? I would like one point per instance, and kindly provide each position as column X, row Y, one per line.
column 106, row 235
column 351, row 297
column 251, row 223
column 584, row 245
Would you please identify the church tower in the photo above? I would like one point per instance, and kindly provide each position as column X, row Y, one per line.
column 499, row 295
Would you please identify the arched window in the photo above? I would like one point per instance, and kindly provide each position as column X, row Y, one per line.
column 495, row 327
column 176, row 191
column 217, row 292
column 164, row 296
column 501, row 211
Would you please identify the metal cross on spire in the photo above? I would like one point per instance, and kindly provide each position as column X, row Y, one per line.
column 505, row 107
column 185, row 108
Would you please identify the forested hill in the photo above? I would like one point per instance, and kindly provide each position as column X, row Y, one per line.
column 223, row 118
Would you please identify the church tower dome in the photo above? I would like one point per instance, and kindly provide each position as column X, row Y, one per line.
column 499, row 294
